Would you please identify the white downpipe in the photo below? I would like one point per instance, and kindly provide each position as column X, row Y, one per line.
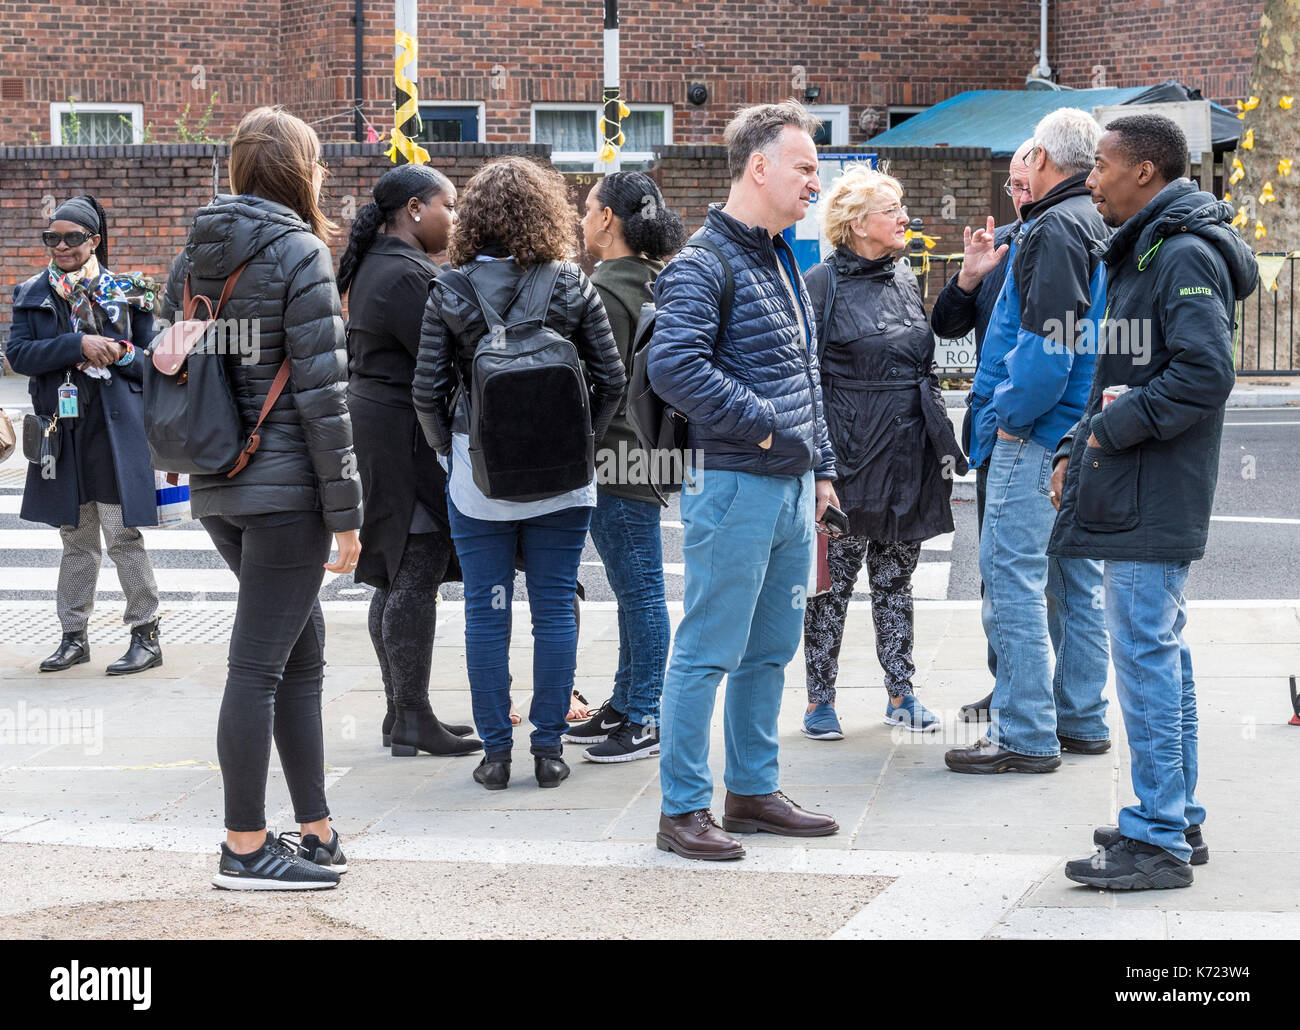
column 1044, row 69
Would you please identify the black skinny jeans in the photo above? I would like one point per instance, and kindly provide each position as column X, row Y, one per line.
column 276, row 663
column 404, row 616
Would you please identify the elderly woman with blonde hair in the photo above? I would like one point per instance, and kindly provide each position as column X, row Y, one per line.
column 894, row 446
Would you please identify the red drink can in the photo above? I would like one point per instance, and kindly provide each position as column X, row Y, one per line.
column 1112, row 392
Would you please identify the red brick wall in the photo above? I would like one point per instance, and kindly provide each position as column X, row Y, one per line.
column 126, row 52
column 867, row 54
column 1209, row 46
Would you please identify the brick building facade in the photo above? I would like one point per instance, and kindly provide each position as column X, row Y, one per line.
column 495, row 63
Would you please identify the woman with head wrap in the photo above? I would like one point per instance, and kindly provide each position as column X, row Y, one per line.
column 77, row 332
column 406, row 548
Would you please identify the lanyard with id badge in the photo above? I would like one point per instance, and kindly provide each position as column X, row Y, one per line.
column 68, row 398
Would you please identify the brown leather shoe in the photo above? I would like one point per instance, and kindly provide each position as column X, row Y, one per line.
column 774, row 813
column 696, row 835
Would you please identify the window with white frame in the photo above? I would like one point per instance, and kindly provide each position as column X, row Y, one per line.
column 573, row 131
column 73, row 124
column 835, row 124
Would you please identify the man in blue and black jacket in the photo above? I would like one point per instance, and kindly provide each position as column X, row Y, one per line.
column 1139, row 485
column 1042, row 616
column 750, row 391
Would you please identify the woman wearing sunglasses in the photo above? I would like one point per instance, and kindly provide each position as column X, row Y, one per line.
column 78, row 330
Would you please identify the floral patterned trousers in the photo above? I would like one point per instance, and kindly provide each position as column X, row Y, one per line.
column 889, row 571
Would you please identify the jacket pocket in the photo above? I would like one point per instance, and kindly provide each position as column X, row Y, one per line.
column 846, row 429
column 1108, row 490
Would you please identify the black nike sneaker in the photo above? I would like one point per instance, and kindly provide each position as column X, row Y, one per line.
column 272, row 867
column 603, row 721
column 626, row 744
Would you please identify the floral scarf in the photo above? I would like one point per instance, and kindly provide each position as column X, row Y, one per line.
column 90, row 288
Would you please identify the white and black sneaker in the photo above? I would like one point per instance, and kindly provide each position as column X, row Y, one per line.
column 603, row 721
column 272, row 867
column 626, row 744
column 327, row 856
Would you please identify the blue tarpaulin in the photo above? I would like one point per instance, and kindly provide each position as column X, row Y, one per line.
column 1002, row 119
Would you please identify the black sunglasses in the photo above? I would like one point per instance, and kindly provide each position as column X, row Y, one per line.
column 73, row 239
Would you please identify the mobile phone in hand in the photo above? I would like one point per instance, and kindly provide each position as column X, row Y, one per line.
column 835, row 521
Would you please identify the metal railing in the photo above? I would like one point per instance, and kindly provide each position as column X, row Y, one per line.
column 1265, row 338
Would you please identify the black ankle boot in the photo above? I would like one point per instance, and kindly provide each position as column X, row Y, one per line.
column 418, row 729
column 144, row 653
column 550, row 772
column 494, row 775
column 73, row 649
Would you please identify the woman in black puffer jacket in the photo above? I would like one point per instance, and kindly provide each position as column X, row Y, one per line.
column 272, row 521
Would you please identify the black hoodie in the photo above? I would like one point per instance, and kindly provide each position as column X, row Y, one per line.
column 1175, row 272
column 285, row 304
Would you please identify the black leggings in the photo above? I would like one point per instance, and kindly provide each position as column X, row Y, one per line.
column 276, row 663
column 403, row 617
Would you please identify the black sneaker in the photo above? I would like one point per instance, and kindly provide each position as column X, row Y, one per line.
column 603, row 721
column 1130, row 865
column 327, row 856
column 1107, row 835
column 626, row 744
column 272, row 867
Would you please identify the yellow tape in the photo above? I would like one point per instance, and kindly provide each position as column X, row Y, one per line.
column 402, row 143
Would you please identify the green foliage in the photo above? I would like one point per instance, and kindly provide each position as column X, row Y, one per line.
column 199, row 133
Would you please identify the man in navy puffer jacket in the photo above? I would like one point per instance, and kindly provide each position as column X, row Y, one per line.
column 752, row 397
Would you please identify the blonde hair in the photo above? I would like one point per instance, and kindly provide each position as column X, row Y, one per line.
column 274, row 155
column 852, row 196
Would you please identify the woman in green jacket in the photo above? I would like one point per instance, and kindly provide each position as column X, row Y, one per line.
column 629, row 230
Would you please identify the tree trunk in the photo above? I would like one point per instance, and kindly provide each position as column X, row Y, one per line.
column 1267, row 340
column 1276, row 131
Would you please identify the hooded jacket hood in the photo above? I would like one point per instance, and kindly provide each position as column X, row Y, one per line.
column 232, row 229
column 1182, row 208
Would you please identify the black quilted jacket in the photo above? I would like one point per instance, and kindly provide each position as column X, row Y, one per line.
column 285, row 303
column 452, row 329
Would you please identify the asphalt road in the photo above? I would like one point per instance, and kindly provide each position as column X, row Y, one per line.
column 1244, row 559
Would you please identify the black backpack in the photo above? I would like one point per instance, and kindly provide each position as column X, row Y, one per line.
column 529, row 411
column 660, row 428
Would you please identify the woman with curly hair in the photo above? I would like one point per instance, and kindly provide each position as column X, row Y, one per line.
column 511, row 252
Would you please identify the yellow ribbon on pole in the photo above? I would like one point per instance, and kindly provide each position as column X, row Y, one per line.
column 402, row 143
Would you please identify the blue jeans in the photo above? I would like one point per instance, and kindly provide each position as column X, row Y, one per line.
column 1146, row 613
column 748, row 547
column 626, row 535
column 1042, row 615
column 552, row 548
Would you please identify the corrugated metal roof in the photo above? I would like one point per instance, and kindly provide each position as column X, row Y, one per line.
column 1000, row 119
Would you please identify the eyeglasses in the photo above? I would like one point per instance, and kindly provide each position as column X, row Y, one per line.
column 323, row 166
column 73, row 239
column 891, row 212
column 1012, row 188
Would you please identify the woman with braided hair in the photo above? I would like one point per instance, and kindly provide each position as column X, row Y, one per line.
column 406, row 548
column 78, row 330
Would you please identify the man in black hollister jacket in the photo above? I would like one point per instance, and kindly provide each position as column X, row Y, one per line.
column 1139, row 483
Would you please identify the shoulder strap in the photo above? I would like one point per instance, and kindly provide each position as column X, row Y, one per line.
column 728, row 278
column 827, row 307
column 254, row 438
column 539, row 300
column 190, row 303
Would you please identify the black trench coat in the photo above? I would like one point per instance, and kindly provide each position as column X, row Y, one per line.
column 895, row 450
column 43, row 346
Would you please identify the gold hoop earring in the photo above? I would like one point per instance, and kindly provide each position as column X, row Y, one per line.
column 604, row 246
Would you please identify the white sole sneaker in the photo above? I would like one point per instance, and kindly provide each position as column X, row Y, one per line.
column 907, row 725
column 243, row 883
column 824, row 735
column 632, row 757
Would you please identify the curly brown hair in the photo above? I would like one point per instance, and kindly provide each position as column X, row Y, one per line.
column 520, row 205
